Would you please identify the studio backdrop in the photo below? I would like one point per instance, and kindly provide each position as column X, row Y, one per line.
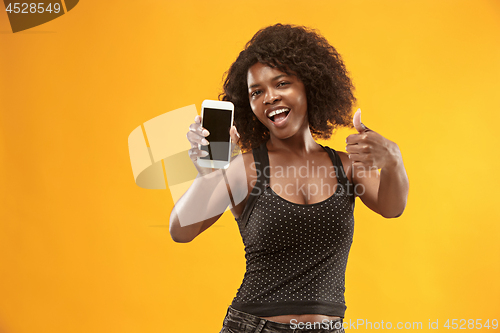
column 85, row 248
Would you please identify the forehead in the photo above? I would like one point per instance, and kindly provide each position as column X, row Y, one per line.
column 260, row 73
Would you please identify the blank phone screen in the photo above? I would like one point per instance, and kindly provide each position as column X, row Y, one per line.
column 218, row 123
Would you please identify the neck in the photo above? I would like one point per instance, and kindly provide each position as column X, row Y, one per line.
column 300, row 144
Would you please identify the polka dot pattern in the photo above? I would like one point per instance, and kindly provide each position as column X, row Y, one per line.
column 296, row 252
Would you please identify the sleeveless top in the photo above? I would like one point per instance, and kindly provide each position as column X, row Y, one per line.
column 296, row 254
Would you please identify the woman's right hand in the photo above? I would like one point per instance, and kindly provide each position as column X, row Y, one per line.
column 196, row 136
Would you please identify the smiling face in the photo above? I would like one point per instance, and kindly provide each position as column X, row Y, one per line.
column 278, row 100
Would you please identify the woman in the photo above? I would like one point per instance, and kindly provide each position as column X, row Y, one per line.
column 292, row 198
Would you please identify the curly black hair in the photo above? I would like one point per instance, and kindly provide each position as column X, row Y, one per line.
column 305, row 53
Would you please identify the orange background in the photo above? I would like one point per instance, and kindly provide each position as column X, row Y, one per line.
column 83, row 249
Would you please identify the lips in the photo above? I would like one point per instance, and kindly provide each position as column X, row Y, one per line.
column 278, row 115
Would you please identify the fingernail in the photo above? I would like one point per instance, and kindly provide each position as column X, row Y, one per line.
column 204, row 153
column 205, row 132
column 204, row 141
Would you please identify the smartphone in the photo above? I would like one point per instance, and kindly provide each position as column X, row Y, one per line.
column 217, row 118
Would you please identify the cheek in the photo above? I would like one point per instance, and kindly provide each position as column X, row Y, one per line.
column 252, row 106
column 256, row 109
column 255, row 113
column 253, row 109
column 253, row 103
column 302, row 101
column 302, row 96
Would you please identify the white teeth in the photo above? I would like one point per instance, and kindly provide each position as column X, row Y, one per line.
column 275, row 112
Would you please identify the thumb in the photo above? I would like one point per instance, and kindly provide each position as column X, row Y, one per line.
column 235, row 136
column 356, row 121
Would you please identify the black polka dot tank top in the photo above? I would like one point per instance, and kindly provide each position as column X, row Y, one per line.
column 296, row 255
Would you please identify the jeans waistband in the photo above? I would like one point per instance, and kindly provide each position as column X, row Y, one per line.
column 249, row 319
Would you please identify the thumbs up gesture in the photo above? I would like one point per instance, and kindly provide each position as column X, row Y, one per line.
column 368, row 149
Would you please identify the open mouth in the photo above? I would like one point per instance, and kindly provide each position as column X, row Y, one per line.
column 279, row 115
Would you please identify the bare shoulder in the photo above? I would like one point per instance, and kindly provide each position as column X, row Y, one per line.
column 241, row 173
column 242, row 167
column 346, row 164
column 248, row 157
column 250, row 169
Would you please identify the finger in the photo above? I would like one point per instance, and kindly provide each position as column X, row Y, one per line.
column 356, row 121
column 195, row 138
column 359, row 157
column 203, row 130
column 358, row 148
column 197, row 128
column 358, row 164
column 195, row 153
column 350, row 148
column 356, row 138
column 235, row 136
column 364, row 160
column 354, row 157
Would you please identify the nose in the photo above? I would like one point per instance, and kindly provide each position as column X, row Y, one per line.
column 271, row 97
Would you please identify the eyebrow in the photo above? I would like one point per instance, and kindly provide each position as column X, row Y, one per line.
column 273, row 79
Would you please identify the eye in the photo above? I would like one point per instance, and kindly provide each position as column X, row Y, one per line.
column 283, row 83
column 255, row 93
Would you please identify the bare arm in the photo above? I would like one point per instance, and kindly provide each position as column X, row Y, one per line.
column 206, row 200
column 384, row 192
column 209, row 195
column 393, row 189
column 193, row 212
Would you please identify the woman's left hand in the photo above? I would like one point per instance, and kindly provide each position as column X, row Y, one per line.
column 369, row 149
column 385, row 192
